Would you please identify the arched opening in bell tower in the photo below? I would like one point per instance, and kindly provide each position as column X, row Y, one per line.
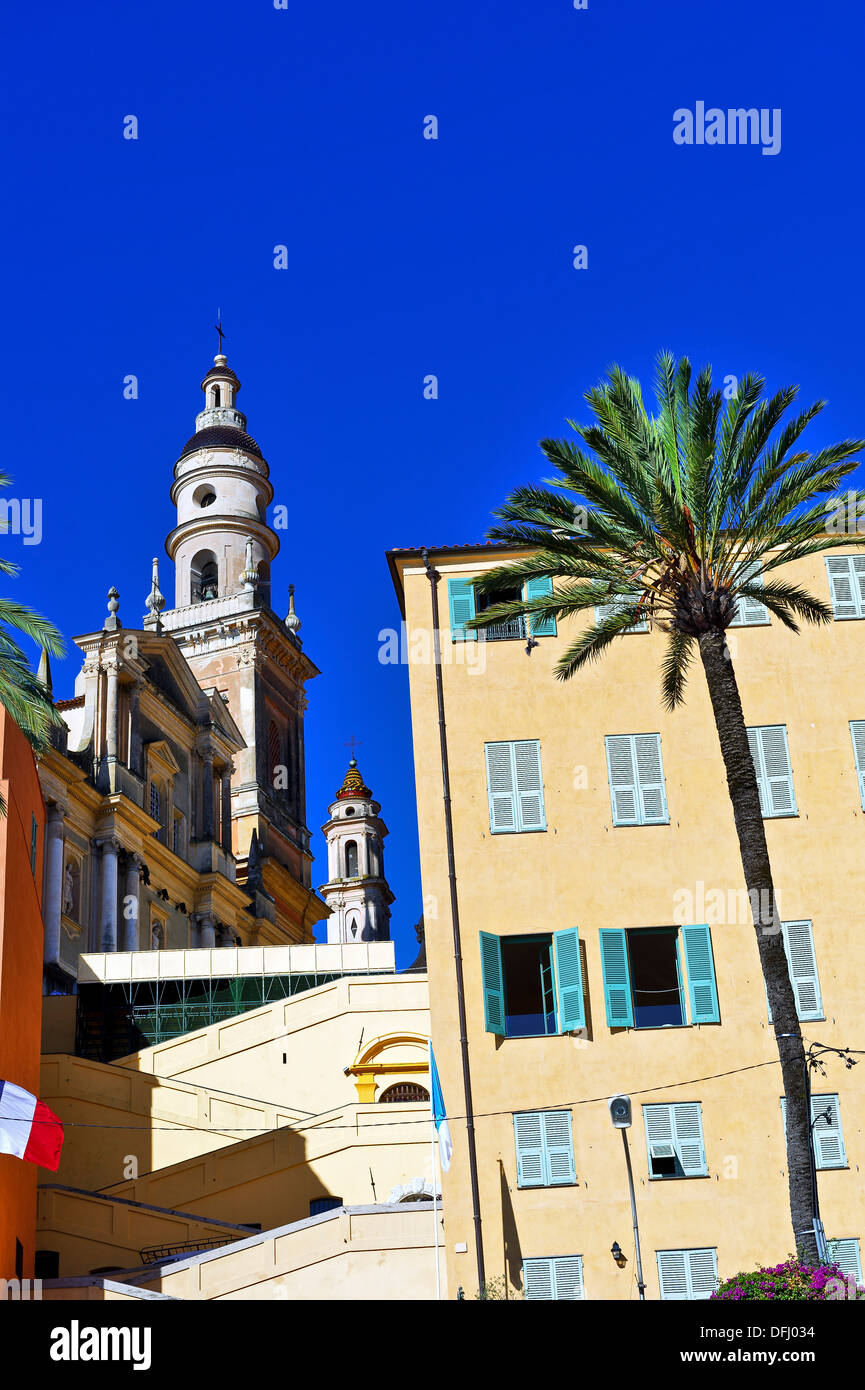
column 204, row 577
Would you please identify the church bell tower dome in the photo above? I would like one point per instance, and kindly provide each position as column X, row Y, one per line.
column 222, row 544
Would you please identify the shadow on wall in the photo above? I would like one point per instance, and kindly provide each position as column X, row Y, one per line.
column 510, row 1239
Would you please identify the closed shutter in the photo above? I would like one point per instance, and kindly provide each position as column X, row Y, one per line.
column 559, row 1147
column 802, row 964
column 623, row 780
column 688, row 1129
column 650, row 776
column 771, row 757
column 493, row 984
column 828, row 1138
column 750, row 611
column 569, row 980
column 857, row 730
column 617, row 978
column 529, row 785
column 539, row 588
column 606, row 610
column 461, row 606
column 847, row 585
column 687, row 1273
column 702, row 987
column 558, row 1278
column 845, row 1254
column 500, row 787
column 529, row 1141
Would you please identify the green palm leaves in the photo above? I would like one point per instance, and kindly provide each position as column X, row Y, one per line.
column 669, row 517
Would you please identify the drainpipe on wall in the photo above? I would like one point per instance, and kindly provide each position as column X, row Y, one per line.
column 433, row 576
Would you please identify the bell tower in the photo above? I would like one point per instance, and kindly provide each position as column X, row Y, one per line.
column 357, row 892
column 237, row 645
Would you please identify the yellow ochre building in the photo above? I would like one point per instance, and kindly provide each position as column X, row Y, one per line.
column 608, row 945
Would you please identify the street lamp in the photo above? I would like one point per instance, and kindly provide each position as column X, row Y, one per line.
column 620, row 1114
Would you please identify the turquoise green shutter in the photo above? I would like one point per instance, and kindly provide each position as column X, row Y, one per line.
column 569, row 980
column 529, row 1142
column 560, row 1278
column 687, row 1274
column 558, row 1147
column 461, row 603
column 493, row 984
column 617, row 978
column 701, row 975
column 539, row 588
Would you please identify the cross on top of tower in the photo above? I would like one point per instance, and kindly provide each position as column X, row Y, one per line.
column 352, row 743
column 219, row 329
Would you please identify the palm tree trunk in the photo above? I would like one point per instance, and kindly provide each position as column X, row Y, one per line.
column 742, row 785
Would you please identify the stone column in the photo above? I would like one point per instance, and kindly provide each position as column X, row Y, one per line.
column 206, row 930
column 207, row 793
column 225, row 807
column 111, row 724
column 131, row 903
column 108, row 906
column 53, row 882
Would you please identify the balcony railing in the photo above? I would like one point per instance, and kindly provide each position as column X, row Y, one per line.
column 511, row 630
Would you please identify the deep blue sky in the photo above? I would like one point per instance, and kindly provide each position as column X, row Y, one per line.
column 304, row 127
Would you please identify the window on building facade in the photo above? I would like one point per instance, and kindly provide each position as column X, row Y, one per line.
column 802, row 965
column 351, row 859
column 768, row 744
column 828, row 1135
column 532, row 985
column 464, row 604
column 857, row 732
column 606, row 610
column 318, row 1205
column 644, row 985
column 556, row 1277
column 674, row 1140
column 846, row 585
column 687, row 1273
column 845, row 1252
column 544, row 1148
column 155, row 803
column 274, row 755
column 515, row 787
column 403, row 1093
column 636, row 775
column 750, row 612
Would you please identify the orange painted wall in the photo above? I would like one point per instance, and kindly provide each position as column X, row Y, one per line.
column 20, row 975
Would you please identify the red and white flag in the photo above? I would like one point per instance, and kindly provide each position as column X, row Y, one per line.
column 28, row 1129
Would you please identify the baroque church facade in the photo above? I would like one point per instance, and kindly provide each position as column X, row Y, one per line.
column 175, row 791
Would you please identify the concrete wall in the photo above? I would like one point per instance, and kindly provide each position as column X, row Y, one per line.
column 584, row 872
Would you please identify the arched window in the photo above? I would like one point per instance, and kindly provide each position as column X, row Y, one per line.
column 204, row 577
column 216, row 396
column 274, row 757
column 351, row 859
column 403, row 1091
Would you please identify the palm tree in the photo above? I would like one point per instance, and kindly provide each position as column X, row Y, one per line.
column 668, row 518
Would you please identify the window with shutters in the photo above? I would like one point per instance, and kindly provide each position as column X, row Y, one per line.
column 802, row 965
column 857, row 733
column 636, row 775
column 644, row 985
column 544, row 1148
column 845, row 1252
column 687, row 1274
column 532, row 985
column 606, row 610
column 826, row 1129
column 674, row 1140
column 771, row 756
column 847, row 585
column 554, row 1277
column 464, row 604
column 515, row 787
column 750, row 612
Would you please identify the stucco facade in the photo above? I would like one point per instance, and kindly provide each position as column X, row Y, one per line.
column 582, row 870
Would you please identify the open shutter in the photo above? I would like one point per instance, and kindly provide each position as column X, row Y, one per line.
column 617, row 978
column 702, row 1266
column 756, row 747
column 540, row 588
column 688, row 1130
column 529, row 785
column 802, row 964
column 857, row 730
column 569, row 980
column 701, row 975
column 828, row 1139
column 660, row 1142
column 538, row 1279
column 559, row 1147
column 623, row 780
column 493, row 984
column 461, row 605
column 568, row 1274
column 500, row 787
column 847, row 585
column 529, row 1140
column 672, row 1274
column 650, row 776
column 845, row 1254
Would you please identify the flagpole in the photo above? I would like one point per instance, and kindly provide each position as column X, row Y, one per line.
column 433, row 1145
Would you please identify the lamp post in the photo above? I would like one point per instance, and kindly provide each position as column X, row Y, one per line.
column 620, row 1114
